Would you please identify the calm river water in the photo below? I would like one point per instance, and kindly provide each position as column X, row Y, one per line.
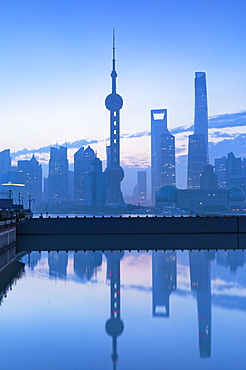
column 124, row 310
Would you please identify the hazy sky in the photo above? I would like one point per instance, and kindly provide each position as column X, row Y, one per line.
column 56, row 61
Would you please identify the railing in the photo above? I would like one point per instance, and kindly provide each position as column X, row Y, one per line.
column 7, row 223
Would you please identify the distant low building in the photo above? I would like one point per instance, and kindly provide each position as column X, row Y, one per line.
column 191, row 199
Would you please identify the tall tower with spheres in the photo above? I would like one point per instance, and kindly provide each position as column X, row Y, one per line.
column 114, row 172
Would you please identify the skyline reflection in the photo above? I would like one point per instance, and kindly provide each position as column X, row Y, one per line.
column 211, row 280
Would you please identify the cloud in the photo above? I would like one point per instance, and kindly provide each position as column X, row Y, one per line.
column 228, row 120
column 220, row 121
column 219, row 134
column 228, row 143
column 234, row 144
column 138, row 134
column 181, row 130
column 46, row 149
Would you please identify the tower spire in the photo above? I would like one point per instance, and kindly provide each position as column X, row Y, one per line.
column 113, row 49
column 113, row 73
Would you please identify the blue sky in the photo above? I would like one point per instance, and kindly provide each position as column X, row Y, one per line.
column 56, row 61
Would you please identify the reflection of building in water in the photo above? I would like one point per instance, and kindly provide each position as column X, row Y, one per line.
column 200, row 276
column 114, row 326
column 232, row 258
column 164, row 281
column 58, row 264
column 85, row 263
column 8, row 276
column 32, row 259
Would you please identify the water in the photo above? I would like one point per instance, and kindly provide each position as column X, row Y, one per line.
column 172, row 310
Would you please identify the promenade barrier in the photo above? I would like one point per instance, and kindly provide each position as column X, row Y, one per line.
column 131, row 225
column 131, row 233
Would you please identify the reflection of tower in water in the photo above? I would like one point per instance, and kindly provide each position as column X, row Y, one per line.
column 164, row 281
column 200, row 276
column 85, row 263
column 114, row 325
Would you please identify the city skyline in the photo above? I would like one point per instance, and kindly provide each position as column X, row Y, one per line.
column 54, row 72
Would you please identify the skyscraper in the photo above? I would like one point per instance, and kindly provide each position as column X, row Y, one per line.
column 96, row 188
column 58, row 174
column 198, row 142
column 162, row 152
column 201, row 107
column 82, row 166
column 209, row 179
column 114, row 172
column 31, row 172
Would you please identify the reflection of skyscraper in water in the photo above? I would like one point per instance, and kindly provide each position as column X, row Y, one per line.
column 200, row 277
column 85, row 263
column 58, row 264
column 114, row 326
column 164, row 281
column 232, row 258
column 32, row 259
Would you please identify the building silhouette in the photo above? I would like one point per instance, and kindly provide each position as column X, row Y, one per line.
column 230, row 171
column 208, row 179
column 96, row 185
column 197, row 160
column 198, row 142
column 114, row 325
column 5, row 162
column 31, row 172
column 82, row 166
column 164, row 281
column 220, row 170
column 114, row 172
column 58, row 175
column 200, row 278
column 162, row 152
column 142, row 188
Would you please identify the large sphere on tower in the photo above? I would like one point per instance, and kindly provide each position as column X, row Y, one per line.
column 114, row 174
column 114, row 102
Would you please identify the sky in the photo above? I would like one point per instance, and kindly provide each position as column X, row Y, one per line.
column 55, row 70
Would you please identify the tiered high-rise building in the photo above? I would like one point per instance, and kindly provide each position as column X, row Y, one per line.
column 162, row 152
column 114, row 172
column 198, row 142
